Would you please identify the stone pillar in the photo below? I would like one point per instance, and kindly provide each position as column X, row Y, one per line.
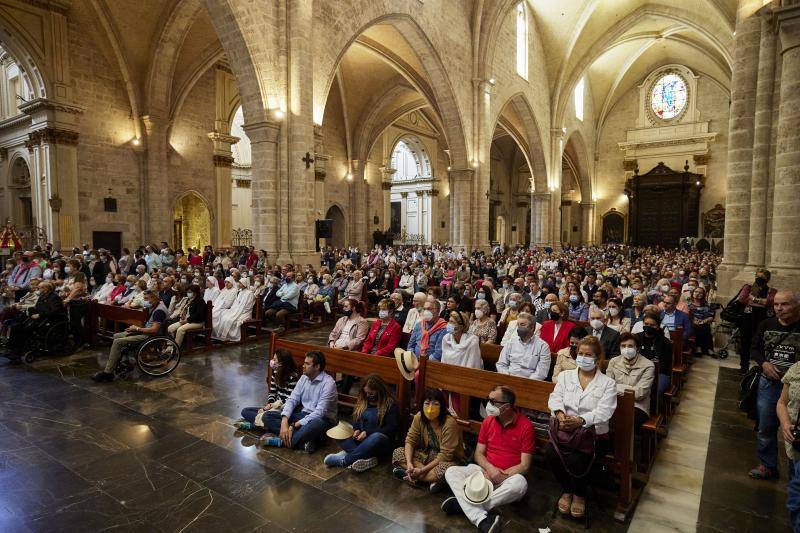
column 386, row 187
column 433, row 219
column 566, row 218
column 740, row 143
column 533, row 215
column 587, row 223
column 53, row 143
column 223, row 161
column 358, row 205
column 761, row 146
column 541, row 217
column 461, row 192
column 320, row 172
column 159, row 210
column 264, row 138
column 784, row 260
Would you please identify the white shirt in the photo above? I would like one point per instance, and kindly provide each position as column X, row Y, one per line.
column 525, row 359
column 412, row 318
column 595, row 404
column 465, row 353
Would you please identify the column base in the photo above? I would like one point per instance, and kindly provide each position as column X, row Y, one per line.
column 784, row 278
column 730, row 279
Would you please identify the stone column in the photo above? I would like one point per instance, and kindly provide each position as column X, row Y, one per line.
column 386, row 187
column 740, row 142
column 159, row 212
column 433, row 202
column 320, row 172
column 264, row 138
column 587, row 223
column 761, row 146
column 566, row 218
column 358, row 205
column 53, row 142
column 461, row 192
column 541, row 217
column 784, row 260
column 223, row 161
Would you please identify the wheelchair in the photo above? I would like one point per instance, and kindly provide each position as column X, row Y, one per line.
column 157, row 356
column 52, row 337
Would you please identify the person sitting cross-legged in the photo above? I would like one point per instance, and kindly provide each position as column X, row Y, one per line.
column 376, row 420
column 281, row 384
column 157, row 317
column 503, row 457
column 433, row 444
column 310, row 411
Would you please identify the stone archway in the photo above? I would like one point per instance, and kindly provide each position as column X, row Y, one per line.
column 339, row 227
column 613, row 227
column 19, row 184
column 191, row 222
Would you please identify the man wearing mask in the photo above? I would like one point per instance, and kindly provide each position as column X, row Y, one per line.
column 157, row 317
column 672, row 318
column 527, row 355
column 426, row 337
column 656, row 347
column 20, row 278
column 776, row 347
column 288, row 297
column 608, row 337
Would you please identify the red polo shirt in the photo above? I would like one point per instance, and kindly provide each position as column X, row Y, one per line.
column 505, row 445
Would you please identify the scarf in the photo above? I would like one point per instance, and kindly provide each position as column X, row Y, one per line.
column 426, row 334
column 22, row 272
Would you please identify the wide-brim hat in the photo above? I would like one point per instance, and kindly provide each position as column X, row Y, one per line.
column 407, row 362
column 478, row 489
column 343, row 430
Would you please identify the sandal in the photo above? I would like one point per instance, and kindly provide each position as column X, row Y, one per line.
column 564, row 503
column 578, row 508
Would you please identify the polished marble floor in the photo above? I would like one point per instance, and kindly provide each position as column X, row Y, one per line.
column 161, row 455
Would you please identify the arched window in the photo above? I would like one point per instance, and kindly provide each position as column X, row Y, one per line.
column 240, row 150
column 404, row 162
column 522, row 40
column 579, row 90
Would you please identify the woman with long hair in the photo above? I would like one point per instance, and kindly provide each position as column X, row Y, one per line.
column 282, row 381
column 375, row 423
column 433, row 444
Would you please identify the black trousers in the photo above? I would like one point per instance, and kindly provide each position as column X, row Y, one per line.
column 576, row 463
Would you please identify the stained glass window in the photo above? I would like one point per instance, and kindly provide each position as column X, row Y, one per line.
column 668, row 97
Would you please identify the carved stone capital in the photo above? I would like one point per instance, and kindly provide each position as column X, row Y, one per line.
column 218, row 137
column 434, row 192
column 404, row 195
column 701, row 159
column 386, row 185
column 629, row 165
column 224, row 161
column 52, row 135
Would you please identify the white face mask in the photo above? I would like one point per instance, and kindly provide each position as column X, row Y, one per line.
column 190, row 294
column 585, row 362
column 492, row 410
column 427, row 316
column 383, row 314
column 596, row 324
column 613, row 311
column 478, row 313
column 628, row 352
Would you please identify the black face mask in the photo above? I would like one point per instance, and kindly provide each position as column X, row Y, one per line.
column 761, row 282
column 650, row 330
column 554, row 316
column 348, row 312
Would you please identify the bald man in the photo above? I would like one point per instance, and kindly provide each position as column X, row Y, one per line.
column 776, row 347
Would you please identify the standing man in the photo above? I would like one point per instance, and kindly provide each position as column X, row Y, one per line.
column 776, row 347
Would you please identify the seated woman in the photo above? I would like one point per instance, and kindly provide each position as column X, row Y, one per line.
column 448, row 276
column 48, row 305
column 324, row 296
column 212, row 289
column 459, row 346
column 565, row 359
column 702, row 317
column 101, row 293
column 281, row 384
column 228, row 328
column 555, row 331
column 119, row 288
column 385, row 333
column 192, row 314
column 433, row 444
column 578, row 310
column 616, row 318
column 137, row 299
column 636, row 312
column 582, row 398
column 312, row 289
column 354, row 289
column 351, row 330
column 128, row 291
column 450, row 305
column 374, row 285
column 483, row 326
column 632, row 371
column 376, row 420
column 406, row 284
column 178, row 301
column 654, row 346
column 223, row 301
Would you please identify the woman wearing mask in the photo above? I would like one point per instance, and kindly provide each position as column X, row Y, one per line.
column 350, row 330
column 485, row 293
column 636, row 312
column 136, row 301
column 460, row 347
column 655, row 346
column 282, row 381
column 582, row 398
column 757, row 300
column 385, row 333
column 406, row 284
column 616, row 318
column 102, row 293
column 632, row 371
column 483, row 326
column 312, row 289
column 702, row 317
column 375, row 424
column 448, row 277
column 124, row 263
column 192, row 316
column 565, row 358
column 119, row 288
column 577, row 308
column 212, row 289
column 624, row 288
column 433, row 444
column 555, row 330
column 374, row 286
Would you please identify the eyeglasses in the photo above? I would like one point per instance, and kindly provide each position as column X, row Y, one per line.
column 496, row 403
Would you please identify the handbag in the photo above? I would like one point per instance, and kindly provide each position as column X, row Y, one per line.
column 733, row 311
column 581, row 440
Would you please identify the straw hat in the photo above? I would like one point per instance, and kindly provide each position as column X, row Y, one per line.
column 407, row 362
column 343, row 430
column 478, row 489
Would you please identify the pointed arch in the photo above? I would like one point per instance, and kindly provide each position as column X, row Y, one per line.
column 532, row 146
column 575, row 149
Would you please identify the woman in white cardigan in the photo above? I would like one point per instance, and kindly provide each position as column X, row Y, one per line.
column 459, row 347
column 583, row 397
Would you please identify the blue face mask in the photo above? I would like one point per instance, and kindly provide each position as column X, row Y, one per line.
column 450, row 328
column 573, row 298
column 481, row 296
column 146, row 304
column 585, row 363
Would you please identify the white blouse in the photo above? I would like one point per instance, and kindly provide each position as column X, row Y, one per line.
column 595, row 404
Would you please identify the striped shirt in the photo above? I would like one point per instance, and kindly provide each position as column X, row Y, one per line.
column 277, row 392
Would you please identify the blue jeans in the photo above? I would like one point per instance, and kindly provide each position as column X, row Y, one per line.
column 249, row 414
column 793, row 495
column 768, row 393
column 663, row 383
column 374, row 445
column 311, row 431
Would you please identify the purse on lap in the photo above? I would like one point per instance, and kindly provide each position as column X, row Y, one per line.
column 580, row 440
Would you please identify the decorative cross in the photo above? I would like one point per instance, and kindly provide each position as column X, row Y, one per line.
column 308, row 160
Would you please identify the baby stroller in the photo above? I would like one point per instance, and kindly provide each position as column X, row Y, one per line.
column 731, row 332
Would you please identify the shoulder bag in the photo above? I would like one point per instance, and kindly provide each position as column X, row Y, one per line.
column 581, row 440
column 733, row 311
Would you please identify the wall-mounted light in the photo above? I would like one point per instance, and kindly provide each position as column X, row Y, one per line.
column 349, row 176
column 474, row 164
column 491, row 81
column 136, row 141
column 278, row 114
column 697, row 183
column 594, row 197
column 448, row 168
column 552, row 188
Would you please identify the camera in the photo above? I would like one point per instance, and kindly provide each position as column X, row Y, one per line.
column 796, row 441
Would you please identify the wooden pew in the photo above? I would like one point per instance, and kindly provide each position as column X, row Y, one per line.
column 533, row 395
column 652, row 426
column 251, row 328
column 351, row 364
column 490, row 353
column 106, row 320
column 205, row 331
